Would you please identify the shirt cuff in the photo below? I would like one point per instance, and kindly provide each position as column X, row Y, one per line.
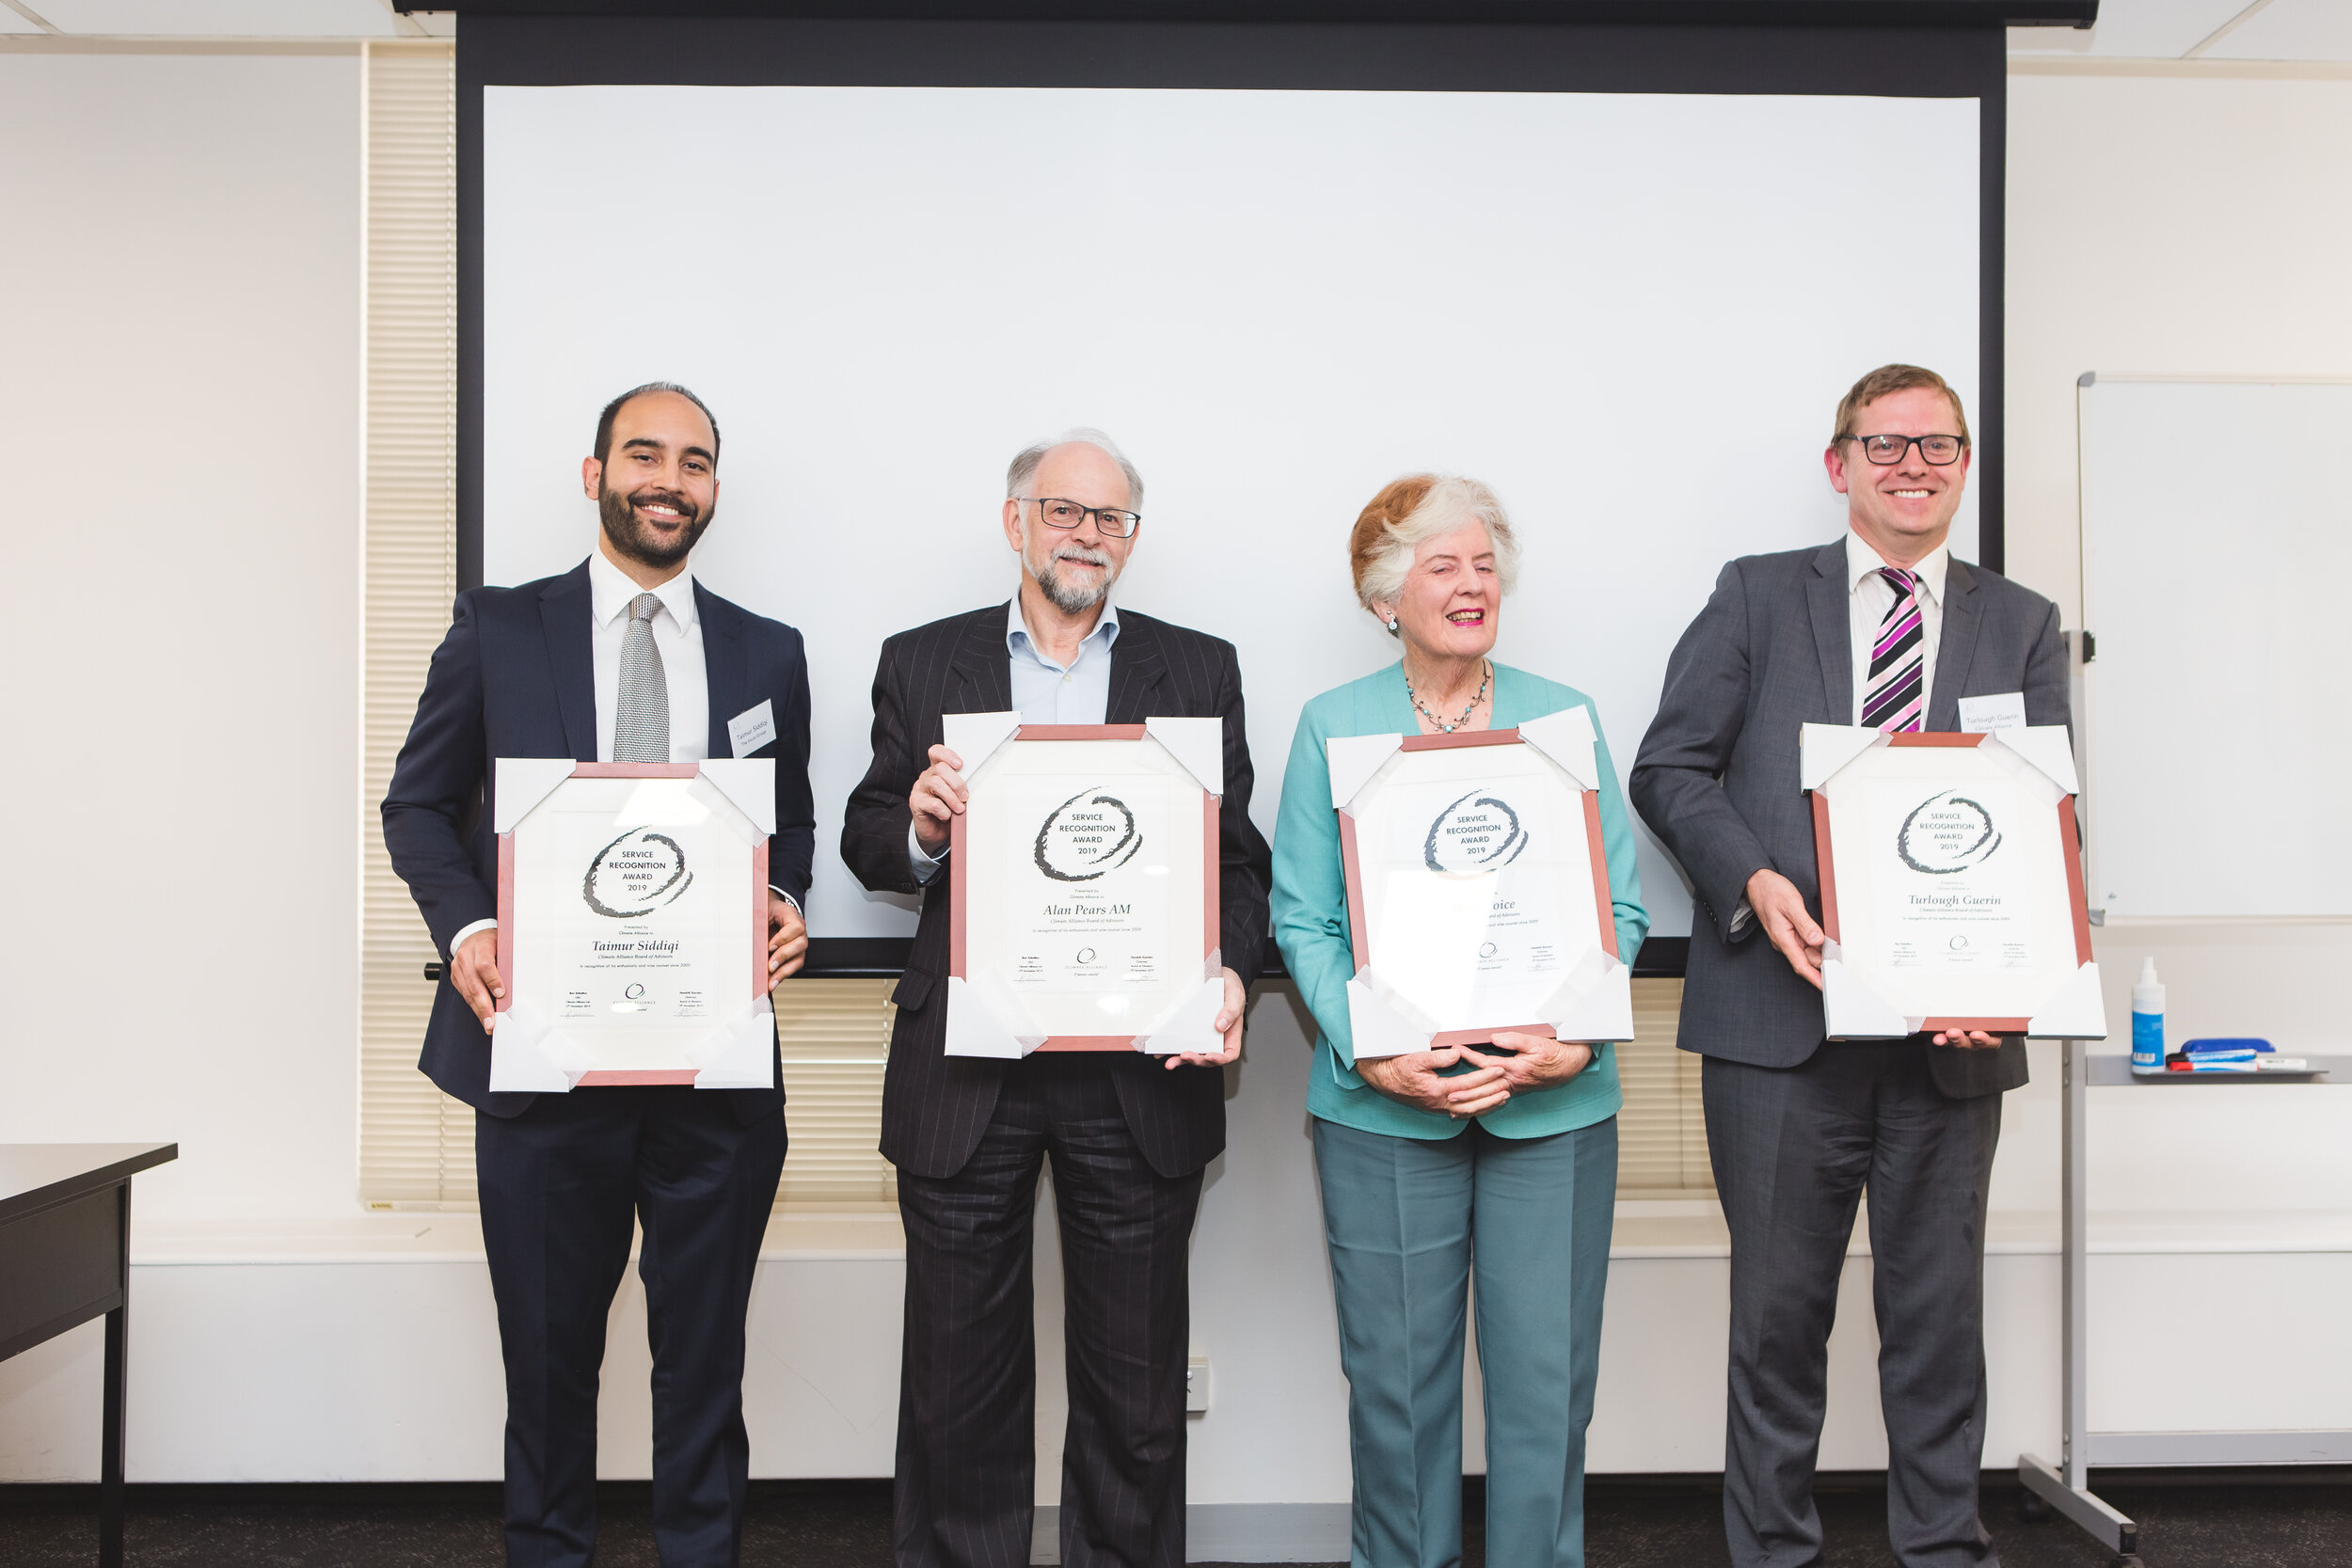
column 1740, row 916
column 466, row 932
column 925, row 866
column 789, row 899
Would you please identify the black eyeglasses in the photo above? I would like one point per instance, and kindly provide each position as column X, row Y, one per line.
column 1887, row 451
column 1113, row 523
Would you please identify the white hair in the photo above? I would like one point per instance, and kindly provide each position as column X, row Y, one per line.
column 1384, row 549
column 1024, row 466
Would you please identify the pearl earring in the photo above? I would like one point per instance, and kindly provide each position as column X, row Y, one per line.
column 1393, row 623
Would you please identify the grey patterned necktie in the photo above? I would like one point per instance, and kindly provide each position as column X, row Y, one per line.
column 641, row 724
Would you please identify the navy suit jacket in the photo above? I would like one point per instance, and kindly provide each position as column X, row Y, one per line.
column 516, row 678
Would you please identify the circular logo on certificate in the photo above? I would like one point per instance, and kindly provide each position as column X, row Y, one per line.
column 636, row 873
column 1092, row 832
column 1474, row 833
column 1946, row 833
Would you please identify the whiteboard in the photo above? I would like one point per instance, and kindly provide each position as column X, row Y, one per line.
column 2216, row 570
column 1276, row 301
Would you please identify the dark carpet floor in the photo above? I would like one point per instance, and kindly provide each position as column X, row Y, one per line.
column 2239, row 1520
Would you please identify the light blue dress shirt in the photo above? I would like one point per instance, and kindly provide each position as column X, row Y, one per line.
column 1078, row 692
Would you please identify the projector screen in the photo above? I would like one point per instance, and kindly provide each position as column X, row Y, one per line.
column 1631, row 314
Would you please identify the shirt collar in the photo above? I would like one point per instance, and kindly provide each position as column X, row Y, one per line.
column 1861, row 561
column 1017, row 638
column 609, row 591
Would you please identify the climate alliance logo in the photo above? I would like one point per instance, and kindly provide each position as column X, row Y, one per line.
column 636, row 873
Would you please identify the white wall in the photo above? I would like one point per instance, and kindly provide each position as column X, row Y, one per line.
column 2181, row 223
column 180, row 337
column 2191, row 220
column 179, row 313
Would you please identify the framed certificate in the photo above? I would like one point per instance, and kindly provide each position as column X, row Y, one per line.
column 1951, row 883
column 1083, row 881
column 1477, row 887
column 633, row 925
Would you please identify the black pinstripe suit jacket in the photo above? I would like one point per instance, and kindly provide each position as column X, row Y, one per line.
column 936, row 1106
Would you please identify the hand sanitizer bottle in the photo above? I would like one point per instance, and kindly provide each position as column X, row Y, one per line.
column 2148, row 1020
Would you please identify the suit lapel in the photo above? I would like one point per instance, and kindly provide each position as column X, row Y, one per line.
column 1955, row 647
column 1136, row 666
column 566, row 616
column 981, row 679
column 1827, row 599
column 724, row 670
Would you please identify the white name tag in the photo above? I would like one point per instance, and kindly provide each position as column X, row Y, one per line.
column 754, row 727
column 1983, row 715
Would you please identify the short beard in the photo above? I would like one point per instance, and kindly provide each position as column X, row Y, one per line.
column 621, row 526
column 1068, row 596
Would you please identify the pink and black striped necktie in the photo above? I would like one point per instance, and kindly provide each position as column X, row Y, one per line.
column 1896, row 698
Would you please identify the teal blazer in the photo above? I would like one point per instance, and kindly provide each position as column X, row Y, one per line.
column 1311, row 909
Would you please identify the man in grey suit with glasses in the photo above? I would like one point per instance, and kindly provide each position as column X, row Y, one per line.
column 1882, row 628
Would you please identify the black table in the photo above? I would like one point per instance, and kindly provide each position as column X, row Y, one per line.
column 65, row 1257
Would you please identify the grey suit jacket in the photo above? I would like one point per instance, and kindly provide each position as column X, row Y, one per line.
column 1716, row 778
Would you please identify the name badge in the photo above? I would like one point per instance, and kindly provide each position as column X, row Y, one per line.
column 1983, row 715
column 754, row 727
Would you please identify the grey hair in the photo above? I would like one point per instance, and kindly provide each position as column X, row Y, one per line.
column 1449, row 503
column 1024, row 466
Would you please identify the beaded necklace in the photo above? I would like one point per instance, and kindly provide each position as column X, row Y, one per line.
column 1443, row 727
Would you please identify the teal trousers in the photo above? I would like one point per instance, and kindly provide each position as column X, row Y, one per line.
column 1410, row 1221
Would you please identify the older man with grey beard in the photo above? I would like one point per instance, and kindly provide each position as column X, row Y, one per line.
column 1129, row 1133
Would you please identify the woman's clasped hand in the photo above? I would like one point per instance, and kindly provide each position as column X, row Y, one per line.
column 1513, row 1061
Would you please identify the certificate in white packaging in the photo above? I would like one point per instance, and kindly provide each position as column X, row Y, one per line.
column 1951, row 883
column 1477, row 888
column 633, row 926
column 1084, row 887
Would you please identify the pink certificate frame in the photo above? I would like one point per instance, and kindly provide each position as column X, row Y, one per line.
column 1359, row 937
column 1825, row 861
column 506, row 913
column 958, row 917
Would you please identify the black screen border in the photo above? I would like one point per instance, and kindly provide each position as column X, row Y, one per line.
column 1903, row 60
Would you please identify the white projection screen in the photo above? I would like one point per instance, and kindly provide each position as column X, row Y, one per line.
column 1631, row 312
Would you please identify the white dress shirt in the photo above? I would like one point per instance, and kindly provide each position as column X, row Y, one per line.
column 1869, row 596
column 1078, row 692
column 677, row 632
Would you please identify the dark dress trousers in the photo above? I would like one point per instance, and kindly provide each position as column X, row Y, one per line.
column 1797, row 1127
column 1127, row 1136
column 561, row 1177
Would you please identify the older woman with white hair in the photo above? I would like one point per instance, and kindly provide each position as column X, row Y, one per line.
column 1499, row 1163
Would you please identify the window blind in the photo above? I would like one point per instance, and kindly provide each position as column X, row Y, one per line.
column 1662, row 1134
column 416, row 1144
column 835, row 1036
